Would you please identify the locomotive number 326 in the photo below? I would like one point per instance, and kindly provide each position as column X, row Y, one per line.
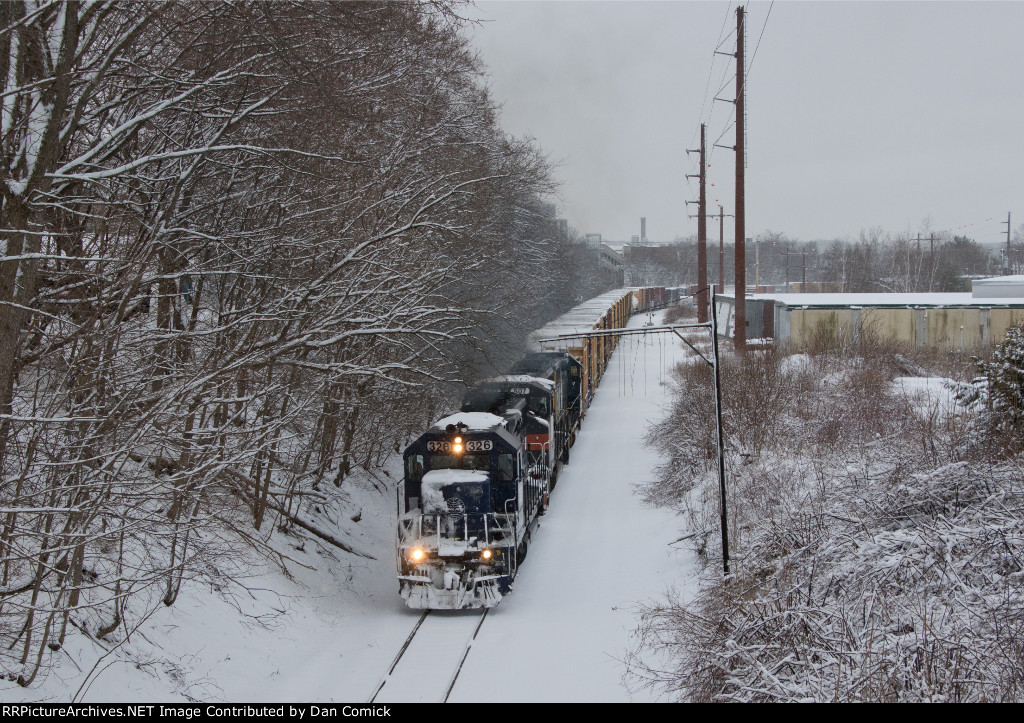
column 472, row 445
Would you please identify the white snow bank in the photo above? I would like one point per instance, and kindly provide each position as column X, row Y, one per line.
column 796, row 362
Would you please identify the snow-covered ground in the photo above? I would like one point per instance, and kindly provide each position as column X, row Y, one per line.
column 930, row 396
column 329, row 630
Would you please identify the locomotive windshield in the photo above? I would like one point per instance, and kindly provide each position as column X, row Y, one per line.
column 538, row 404
column 461, row 461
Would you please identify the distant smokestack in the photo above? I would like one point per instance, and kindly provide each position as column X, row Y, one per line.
column 643, row 228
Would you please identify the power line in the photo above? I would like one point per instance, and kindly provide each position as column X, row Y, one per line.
column 728, row 128
column 711, row 70
column 725, row 38
column 751, row 63
column 707, row 85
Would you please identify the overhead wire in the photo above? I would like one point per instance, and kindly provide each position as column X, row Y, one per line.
column 730, row 122
column 750, row 63
column 711, row 69
column 720, row 44
column 707, row 87
column 763, row 25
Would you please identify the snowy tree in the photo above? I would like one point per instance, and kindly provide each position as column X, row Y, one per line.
column 247, row 245
column 1000, row 391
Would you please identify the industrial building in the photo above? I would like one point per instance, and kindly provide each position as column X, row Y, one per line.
column 945, row 320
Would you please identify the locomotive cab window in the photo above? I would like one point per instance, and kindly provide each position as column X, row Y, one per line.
column 539, row 405
column 506, row 467
column 414, row 468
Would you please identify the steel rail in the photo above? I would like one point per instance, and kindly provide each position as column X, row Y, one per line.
column 408, row 641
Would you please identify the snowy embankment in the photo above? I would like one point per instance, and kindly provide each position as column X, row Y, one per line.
column 878, row 555
column 323, row 625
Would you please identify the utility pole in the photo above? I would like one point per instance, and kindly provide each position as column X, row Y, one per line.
column 740, row 339
column 803, row 274
column 702, row 235
column 1009, row 268
column 757, row 264
column 920, row 261
column 723, row 515
column 721, row 246
column 931, row 260
column 740, row 332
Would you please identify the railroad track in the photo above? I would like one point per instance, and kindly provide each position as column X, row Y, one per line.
column 430, row 660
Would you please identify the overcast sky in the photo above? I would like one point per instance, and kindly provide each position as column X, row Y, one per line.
column 859, row 114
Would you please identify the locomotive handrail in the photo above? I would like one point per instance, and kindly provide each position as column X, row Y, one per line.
column 411, row 526
column 513, row 561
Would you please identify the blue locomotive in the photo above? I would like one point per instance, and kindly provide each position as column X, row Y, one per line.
column 549, row 385
column 471, row 505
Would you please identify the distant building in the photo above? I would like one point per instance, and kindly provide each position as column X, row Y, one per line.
column 593, row 240
column 610, row 258
column 660, row 254
column 936, row 320
column 563, row 227
column 998, row 287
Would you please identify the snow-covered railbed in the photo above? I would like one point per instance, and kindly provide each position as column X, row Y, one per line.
column 431, row 659
column 600, row 551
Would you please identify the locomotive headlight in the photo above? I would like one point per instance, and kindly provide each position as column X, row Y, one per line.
column 457, row 447
column 417, row 555
column 486, row 554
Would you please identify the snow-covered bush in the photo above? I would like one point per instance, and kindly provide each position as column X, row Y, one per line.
column 680, row 313
column 1007, row 374
column 1000, row 391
